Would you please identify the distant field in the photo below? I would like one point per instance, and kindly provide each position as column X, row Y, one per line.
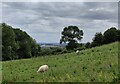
column 99, row 64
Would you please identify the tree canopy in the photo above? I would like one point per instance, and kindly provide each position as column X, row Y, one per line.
column 98, row 39
column 110, row 35
column 71, row 35
column 17, row 44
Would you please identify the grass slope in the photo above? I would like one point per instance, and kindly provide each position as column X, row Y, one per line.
column 96, row 64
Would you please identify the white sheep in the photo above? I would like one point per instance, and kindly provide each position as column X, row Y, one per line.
column 43, row 68
column 77, row 52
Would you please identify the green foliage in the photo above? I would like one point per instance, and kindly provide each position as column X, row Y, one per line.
column 52, row 51
column 110, row 35
column 72, row 45
column 80, row 46
column 118, row 35
column 46, row 51
column 17, row 44
column 71, row 35
column 98, row 39
column 0, row 42
column 88, row 45
column 27, row 44
column 98, row 64
column 8, row 42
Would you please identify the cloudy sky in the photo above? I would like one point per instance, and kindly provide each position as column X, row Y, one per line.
column 44, row 21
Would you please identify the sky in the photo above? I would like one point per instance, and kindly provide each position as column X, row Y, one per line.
column 44, row 21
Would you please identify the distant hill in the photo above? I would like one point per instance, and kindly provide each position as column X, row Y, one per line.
column 98, row 64
column 51, row 45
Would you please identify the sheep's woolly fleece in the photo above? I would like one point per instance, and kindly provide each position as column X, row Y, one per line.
column 43, row 68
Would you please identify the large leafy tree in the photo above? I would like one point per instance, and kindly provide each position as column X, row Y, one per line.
column 17, row 44
column 71, row 35
column 111, row 35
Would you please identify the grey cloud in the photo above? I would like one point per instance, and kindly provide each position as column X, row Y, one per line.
column 50, row 18
column 0, row 12
column 74, row 10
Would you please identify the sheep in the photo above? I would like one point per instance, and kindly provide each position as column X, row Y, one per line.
column 77, row 52
column 42, row 68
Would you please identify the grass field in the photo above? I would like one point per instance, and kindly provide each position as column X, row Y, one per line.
column 99, row 64
column 0, row 72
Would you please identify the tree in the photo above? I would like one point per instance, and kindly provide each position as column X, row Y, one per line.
column 110, row 35
column 0, row 41
column 118, row 35
column 23, row 39
column 71, row 35
column 87, row 45
column 98, row 39
column 72, row 45
column 17, row 44
column 27, row 46
column 8, row 42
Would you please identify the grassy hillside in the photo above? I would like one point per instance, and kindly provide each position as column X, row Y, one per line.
column 96, row 64
column 0, row 72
